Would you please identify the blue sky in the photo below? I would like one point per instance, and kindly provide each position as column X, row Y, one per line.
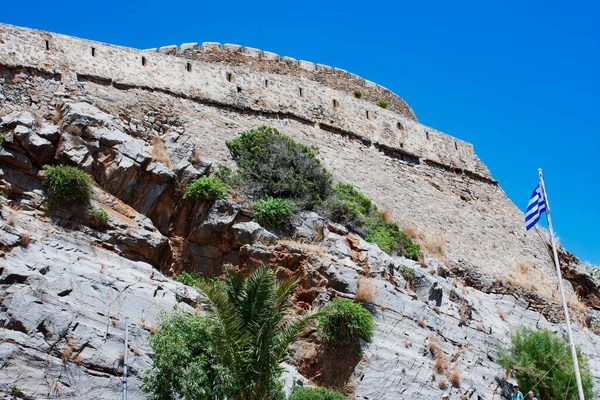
column 517, row 79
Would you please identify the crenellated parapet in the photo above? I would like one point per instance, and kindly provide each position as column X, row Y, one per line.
column 265, row 61
column 249, row 80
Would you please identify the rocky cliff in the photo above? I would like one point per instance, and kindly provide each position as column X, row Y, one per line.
column 144, row 124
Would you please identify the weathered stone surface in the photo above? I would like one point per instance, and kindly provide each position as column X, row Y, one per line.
column 84, row 115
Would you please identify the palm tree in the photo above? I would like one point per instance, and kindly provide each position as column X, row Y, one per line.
column 254, row 328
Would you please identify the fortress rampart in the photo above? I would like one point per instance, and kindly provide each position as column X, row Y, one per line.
column 249, row 80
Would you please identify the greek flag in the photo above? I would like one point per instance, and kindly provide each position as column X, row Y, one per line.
column 535, row 208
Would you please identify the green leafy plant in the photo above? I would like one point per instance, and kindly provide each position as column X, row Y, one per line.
column 350, row 207
column 390, row 238
column 345, row 320
column 224, row 173
column 537, row 355
column 408, row 274
column 206, row 188
column 68, row 184
column 315, row 393
column 274, row 212
column 383, row 104
column 193, row 279
column 254, row 326
column 2, row 140
column 97, row 217
column 357, row 94
column 187, row 363
column 273, row 164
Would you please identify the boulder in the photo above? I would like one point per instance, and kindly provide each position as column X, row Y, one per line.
column 84, row 115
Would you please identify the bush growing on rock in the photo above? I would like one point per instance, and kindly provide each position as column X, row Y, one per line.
column 97, row 218
column 383, row 104
column 187, row 364
column 2, row 140
column 533, row 353
column 315, row 393
column 350, row 207
column 206, row 188
column 345, row 320
column 274, row 212
column 357, row 94
column 273, row 164
column 68, row 184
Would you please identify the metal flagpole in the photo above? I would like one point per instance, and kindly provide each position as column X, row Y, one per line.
column 562, row 291
column 125, row 361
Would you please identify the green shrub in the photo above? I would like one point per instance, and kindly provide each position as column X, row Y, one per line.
column 350, row 207
column 357, row 94
column 224, row 173
column 68, row 184
column 2, row 140
column 193, row 279
column 407, row 273
column 206, row 188
column 390, row 238
column 15, row 391
column 97, row 218
column 345, row 320
column 187, row 363
column 533, row 353
column 315, row 393
column 273, row 164
column 274, row 212
column 383, row 104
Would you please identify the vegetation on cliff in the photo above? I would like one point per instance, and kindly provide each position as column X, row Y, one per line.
column 344, row 320
column 542, row 361
column 68, row 184
column 284, row 175
column 206, row 188
column 233, row 351
column 316, row 393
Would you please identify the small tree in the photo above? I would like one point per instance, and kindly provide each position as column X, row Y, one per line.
column 254, row 329
column 537, row 355
column 186, row 363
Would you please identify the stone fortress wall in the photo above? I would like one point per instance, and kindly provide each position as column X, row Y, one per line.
column 248, row 79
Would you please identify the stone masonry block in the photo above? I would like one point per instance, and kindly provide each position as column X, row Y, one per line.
column 189, row 46
column 267, row 55
column 289, row 60
column 170, row 50
column 324, row 68
column 252, row 52
column 340, row 72
column 153, row 50
column 211, row 47
column 233, row 48
column 307, row 65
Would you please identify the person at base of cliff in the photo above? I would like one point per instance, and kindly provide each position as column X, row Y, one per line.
column 531, row 395
column 516, row 394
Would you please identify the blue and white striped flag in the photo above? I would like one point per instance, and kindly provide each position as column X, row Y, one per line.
column 535, row 208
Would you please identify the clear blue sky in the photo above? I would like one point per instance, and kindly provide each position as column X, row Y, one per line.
column 517, row 79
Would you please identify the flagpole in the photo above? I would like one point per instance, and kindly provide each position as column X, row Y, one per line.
column 562, row 291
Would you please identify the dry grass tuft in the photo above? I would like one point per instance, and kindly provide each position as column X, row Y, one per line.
column 25, row 239
column 408, row 344
column 74, row 130
column 136, row 351
column 159, row 152
column 500, row 313
column 530, row 278
column 38, row 119
column 195, row 158
column 58, row 115
column 11, row 220
column 577, row 310
column 386, row 215
column 443, row 383
column 68, row 351
column 309, row 247
column 441, row 364
column 455, row 376
column 421, row 323
column 55, row 387
column 431, row 245
column 366, row 290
